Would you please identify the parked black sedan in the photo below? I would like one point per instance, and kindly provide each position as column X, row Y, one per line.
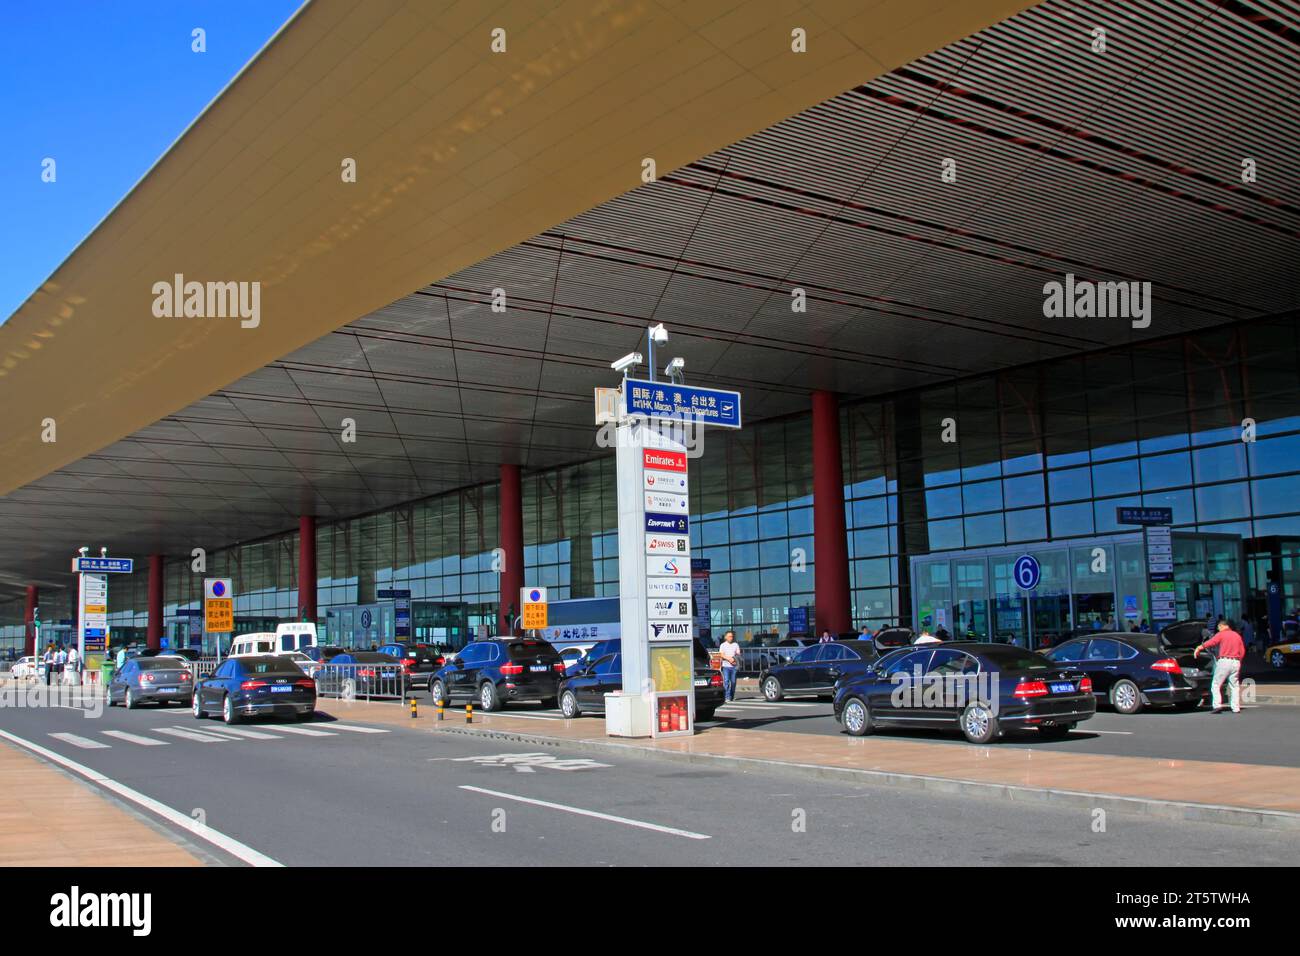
column 419, row 660
column 584, row 691
column 500, row 670
column 255, row 686
column 159, row 680
column 1130, row 670
column 980, row 689
column 815, row 669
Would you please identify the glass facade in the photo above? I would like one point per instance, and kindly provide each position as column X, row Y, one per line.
column 943, row 487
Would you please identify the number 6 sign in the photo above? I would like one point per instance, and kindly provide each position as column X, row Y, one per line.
column 1027, row 572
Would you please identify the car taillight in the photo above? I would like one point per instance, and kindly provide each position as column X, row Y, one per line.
column 559, row 666
column 408, row 664
column 185, row 675
column 1031, row 688
column 1168, row 665
column 250, row 684
column 366, row 673
column 440, row 661
column 510, row 670
column 147, row 678
column 715, row 680
column 304, row 683
column 1085, row 686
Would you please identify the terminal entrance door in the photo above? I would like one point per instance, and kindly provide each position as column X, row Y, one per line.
column 446, row 625
column 1050, row 620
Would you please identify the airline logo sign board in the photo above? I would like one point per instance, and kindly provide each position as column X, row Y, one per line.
column 666, row 503
column 668, row 568
column 670, row 630
column 666, row 524
column 533, row 601
column 659, row 460
column 671, row 481
column 678, row 544
column 668, row 587
column 662, row 609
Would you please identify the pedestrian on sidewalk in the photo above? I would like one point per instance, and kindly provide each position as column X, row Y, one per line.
column 730, row 652
column 1232, row 651
column 74, row 665
column 48, row 660
column 60, row 662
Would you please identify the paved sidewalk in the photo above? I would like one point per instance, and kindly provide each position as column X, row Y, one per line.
column 47, row 818
column 1185, row 789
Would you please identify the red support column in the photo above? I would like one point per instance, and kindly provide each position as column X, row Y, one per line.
column 29, row 621
column 153, row 636
column 307, row 568
column 511, row 524
column 830, row 539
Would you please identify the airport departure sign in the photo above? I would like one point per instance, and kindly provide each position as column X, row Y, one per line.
column 683, row 403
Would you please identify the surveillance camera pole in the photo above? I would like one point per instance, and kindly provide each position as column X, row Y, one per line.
column 650, row 343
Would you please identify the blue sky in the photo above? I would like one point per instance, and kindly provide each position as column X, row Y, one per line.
column 103, row 87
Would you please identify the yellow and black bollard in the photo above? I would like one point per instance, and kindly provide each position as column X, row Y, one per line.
column 413, row 710
column 469, row 713
column 440, row 709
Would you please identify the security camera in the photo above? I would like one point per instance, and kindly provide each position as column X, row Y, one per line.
column 82, row 550
column 658, row 334
column 676, row 365
column 630, row 360
column 103, row 552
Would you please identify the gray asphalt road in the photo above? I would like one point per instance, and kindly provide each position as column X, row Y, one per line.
column 408, row 797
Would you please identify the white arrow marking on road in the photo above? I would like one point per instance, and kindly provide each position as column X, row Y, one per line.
column 672, row 831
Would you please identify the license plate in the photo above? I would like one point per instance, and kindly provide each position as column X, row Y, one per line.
column 1066, row 688
column 701, row 683
column 281, row 690
column 168, row 690
column 539, row 668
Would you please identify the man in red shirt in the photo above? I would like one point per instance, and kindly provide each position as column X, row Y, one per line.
column 1232, row 651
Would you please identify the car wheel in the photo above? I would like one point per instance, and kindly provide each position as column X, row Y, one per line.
column 439, row 694
column 772, row 689
column 109, row 694
column 488, row 699
column 569, row 705
column 1125, row 697
column 1277, row 660
column 131, row 702
column 979, row 724
column 1055, row 731
column 196, row 706
column 857, row 718
column 228, row 710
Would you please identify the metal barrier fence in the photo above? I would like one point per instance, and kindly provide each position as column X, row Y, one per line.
column 362, row 681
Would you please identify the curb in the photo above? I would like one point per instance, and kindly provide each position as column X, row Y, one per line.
column 1182, row 811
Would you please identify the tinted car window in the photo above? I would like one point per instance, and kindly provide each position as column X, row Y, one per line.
column 1069, row 651
column 532, row 650
column 605, row 665
column 1103, row 649
column 905, row 663
column 832, row 652
column 947, row 661
column 1014, row 659
column 284, row 668
column 1146, row 642
column 472, row 654
column 807, row 655
column 158, row 663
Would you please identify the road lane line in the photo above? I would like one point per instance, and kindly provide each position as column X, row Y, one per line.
column 671, row 831
column 358, row 730
column 237, row 732
column 82, row 742
column 134, row 738
column 305, row 731
column 183, row 821
column 191, row 735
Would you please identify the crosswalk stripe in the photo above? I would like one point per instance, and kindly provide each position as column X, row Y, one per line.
column 238, row 732
column 82, row 742
column 305, row 731
column 358, row 730
column 191, row 735
column 134, row 738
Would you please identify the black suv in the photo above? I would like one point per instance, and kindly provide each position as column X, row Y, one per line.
column 500, row 670
column 418, row 660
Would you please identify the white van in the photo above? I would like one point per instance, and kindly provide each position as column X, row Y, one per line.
column 287, row 639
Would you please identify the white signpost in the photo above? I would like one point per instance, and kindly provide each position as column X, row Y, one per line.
column 92, row 601
column 654, row 548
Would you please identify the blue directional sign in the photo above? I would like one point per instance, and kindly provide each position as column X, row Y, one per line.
column 1144, row 515
column 102, row 565
column 666, row 524
column 683, row 403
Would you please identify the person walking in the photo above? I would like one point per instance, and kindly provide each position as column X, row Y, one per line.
column 60, row 662
column 48, row 660
column 730, row 652
column 74, row 665
column 1232, row 651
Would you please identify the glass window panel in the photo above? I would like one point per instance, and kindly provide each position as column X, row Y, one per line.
column 1221, row 463
column 1114, row 479
column 1069, row 520
column 1274, row 496
column 1072, row 484
column 982, row 496
column 1024, row 490
column 943, row 502
column 1166, row 471
column 1029, row 524
column 984, row 530
column 1222, row 502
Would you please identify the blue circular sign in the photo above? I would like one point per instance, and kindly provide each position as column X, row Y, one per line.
column 1027, row 572
column 218, row 588
column 534, row 595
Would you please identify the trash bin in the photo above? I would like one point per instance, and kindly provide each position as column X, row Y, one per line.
column 105, row 673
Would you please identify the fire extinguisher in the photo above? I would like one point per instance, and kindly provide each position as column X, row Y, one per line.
column 665, row 717
column 681, row 715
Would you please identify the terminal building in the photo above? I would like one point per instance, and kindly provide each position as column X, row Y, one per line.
column 891, row 252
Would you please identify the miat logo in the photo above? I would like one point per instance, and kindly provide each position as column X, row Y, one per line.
column 661, row 629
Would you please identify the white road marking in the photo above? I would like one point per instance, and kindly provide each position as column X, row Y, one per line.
column 191, row 735
column 305, row 731
column 237, row 732
column 358, row 730
column 1089, row 730
column 134, row 738
column 641, row 824
column 175, row 817
column 82, row 742
column 523, row 716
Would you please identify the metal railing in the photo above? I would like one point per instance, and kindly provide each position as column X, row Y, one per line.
column 362, row 681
